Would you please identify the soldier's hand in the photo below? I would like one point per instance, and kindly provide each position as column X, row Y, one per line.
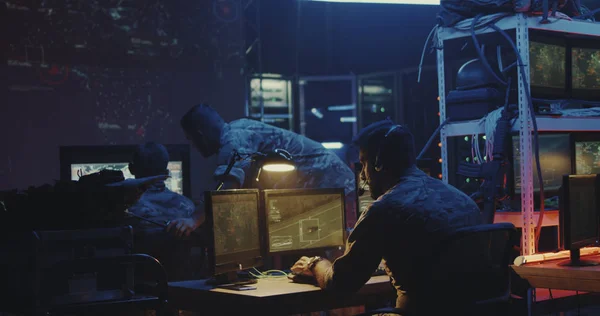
column 301, row 267
column 182, row 226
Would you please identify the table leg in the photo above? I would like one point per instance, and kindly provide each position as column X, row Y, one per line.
column 530, row 301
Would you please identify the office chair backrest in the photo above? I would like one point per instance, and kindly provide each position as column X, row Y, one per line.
column 471, row 267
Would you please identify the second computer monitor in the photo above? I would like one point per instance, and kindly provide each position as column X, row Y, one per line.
column 233, row 218
column 299, row 220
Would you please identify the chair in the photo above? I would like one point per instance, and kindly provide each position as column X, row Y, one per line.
column 469, row 274
column 57, row 272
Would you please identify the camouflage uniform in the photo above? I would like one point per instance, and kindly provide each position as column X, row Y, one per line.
column 317, row 167
column 160, row 204
column 401, row 227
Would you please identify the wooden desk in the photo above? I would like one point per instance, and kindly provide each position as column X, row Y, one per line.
column 273, row 296
column 549, row 275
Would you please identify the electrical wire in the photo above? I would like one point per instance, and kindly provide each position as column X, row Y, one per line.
column 435, row 28
column 267, row 274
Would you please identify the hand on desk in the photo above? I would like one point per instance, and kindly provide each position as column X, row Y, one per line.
column 301, row 267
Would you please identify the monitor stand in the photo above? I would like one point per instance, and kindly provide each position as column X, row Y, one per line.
column 575, row 260
column 230, row 278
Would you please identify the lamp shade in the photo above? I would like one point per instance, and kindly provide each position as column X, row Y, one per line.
column 278, row 160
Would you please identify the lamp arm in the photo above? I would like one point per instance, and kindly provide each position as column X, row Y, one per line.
column 235, row 157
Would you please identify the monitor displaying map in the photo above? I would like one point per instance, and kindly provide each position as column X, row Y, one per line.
column 303, row 219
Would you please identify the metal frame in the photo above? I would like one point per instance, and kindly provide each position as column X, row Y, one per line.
column 525, row 128
column 302, row 106
column 290, row 102
column 395, row 94
column 522, row 24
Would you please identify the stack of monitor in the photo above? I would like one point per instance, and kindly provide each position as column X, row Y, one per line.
column 560, row 154
column 248, row 225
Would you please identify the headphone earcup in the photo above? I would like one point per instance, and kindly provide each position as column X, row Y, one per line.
column 377, row 166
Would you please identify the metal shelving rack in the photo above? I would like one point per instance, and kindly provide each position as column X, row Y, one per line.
column 521, row 23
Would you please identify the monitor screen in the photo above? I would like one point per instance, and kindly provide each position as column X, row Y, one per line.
column 547, row 65
column 235, row 220
column 77, row 161
column 585, row 68
column 579, row 210
column 587, row 157
column 174, row 182
column 304, row 219
column 555, row 161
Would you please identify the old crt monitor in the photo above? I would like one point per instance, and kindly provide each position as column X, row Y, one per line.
column 78, row 161
column 587, row 156
column 548, row 60
column 579, row 215
column 304, row 219
column 555, row 161
column 234, row 221
column 585, row 67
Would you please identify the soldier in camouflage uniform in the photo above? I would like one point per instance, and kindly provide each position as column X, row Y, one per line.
column 158, row 203
column 316, row 167
column 412, row 213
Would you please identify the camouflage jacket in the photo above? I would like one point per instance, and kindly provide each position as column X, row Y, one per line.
column 401, row 226
column 160, row 204
column 317, row 167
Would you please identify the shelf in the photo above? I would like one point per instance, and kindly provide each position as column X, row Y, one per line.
column 554, row 124
column 577, row 27
column 516, row 218
column 272, row 116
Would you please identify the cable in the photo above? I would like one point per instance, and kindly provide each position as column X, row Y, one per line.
column 268, row 274
column 480, row 51
column 423, row 52
column 430, row 141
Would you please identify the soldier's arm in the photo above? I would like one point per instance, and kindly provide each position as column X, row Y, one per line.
column 362, row 257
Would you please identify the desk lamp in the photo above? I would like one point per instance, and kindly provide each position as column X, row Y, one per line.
column 279, row 160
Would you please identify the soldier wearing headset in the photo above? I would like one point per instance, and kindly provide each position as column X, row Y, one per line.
column 412, row 213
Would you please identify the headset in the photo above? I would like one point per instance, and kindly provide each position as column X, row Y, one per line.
column 378, row 166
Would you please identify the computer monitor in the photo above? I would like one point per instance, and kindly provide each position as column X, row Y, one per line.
column 579, row 215
column 585, row 67
column 233, row 219
column 548, row 60
column 555, row 161
column 302, row 220
column 78, row 161
column 587, row 157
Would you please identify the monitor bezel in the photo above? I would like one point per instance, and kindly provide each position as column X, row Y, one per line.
column 565, row 214
column 511, row 184
column 306, row 251
column 581, row 94
column 541, row 92
column 245, row 261
column 69, row 155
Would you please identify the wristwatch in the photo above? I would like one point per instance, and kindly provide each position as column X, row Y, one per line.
column 312, row 262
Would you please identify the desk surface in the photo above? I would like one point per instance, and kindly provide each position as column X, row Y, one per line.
column 550, row 275
column 278, row 295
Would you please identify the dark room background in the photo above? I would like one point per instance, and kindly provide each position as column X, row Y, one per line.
column 123, row 72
